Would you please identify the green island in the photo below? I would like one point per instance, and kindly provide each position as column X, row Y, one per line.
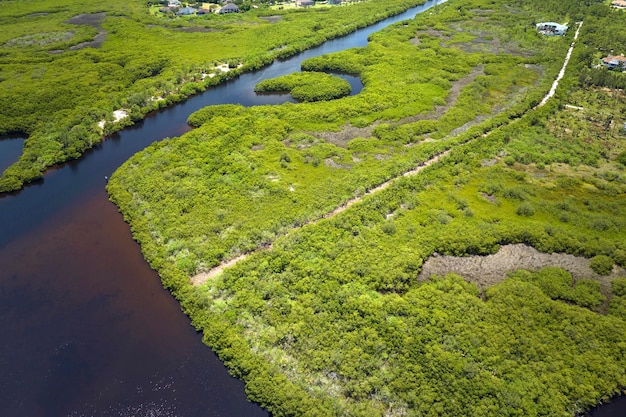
column 307, row 86
column 319, row 246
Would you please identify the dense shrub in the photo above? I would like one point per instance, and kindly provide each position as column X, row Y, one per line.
column 525, row 209
column 558, row 284
column 619, row 287
column 601, row 264
column 617, row 307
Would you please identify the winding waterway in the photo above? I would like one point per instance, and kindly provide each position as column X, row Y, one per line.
column 87, row 329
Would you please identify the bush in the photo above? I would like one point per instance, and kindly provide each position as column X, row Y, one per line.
column 601, row 264
column 619, row 256
column 389, row 228
column 556, row 283
column 617, row 307
column 619, row 287
column 525, row 209
column 587, row 294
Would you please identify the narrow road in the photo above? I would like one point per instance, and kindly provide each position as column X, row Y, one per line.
column 555, row 84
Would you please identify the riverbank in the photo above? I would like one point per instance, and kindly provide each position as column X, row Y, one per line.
column 159, row 61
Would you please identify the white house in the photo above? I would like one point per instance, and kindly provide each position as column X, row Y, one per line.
column 551, row 28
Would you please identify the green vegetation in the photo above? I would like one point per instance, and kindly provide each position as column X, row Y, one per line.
column 330, row 318
column 65, row 67
column 601, row 264
column 307, row 86
column 559, row 285
column 618, row 303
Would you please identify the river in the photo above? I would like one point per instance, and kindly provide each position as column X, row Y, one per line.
column 87, row 328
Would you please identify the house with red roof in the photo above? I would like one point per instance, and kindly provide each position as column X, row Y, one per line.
column 614, row 62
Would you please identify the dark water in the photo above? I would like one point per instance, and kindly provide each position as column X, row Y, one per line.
column 86, row 328
column 88, row 331
column 10, row 150
column 614, row 408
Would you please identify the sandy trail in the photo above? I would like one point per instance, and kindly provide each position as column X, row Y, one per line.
column 203, row 277
column 555, row 84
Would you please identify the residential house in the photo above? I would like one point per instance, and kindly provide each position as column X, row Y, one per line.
column 614, row 62
column 305, row 3
column 229, row 8
column 619, row 4
column 551, row 28
column 186, row 11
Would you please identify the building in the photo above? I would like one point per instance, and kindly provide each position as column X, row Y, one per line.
column 186, row 11
column 619, row 4
column 305, row 3
column 551, row 29
column 614, row 62
column 229, row 8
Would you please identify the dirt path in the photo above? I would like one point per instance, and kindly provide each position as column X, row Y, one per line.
column 203, row 277
column 492, row 269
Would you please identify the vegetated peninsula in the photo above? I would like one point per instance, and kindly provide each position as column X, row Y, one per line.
column 294, row 236
column 72, row 73
column 330, row 318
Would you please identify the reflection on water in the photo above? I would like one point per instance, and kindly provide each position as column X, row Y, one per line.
column 614, row 408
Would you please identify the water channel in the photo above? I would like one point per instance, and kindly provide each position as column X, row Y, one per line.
column 87, row 328
column 10, row 150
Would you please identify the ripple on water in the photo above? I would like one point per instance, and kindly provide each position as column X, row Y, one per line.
column 147, row 409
